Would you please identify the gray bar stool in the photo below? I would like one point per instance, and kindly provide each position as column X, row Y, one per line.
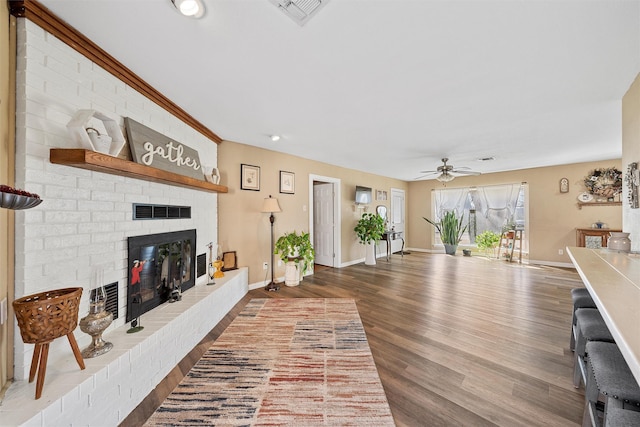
column 610, row 380
column 590, row 326
column 618, row 417
column 581, row 298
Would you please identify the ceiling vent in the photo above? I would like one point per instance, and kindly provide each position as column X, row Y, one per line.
column 299, row 10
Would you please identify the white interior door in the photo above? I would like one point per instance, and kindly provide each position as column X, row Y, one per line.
column 397, row 216
column 324, row 223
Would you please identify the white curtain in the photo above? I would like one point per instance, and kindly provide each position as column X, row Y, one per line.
column 494, row 206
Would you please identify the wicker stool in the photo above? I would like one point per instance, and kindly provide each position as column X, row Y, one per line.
column 610, row 380
column 590, row 326
column 581, row 298
column 44, row 317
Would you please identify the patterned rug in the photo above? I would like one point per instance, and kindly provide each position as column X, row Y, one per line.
column 283, row 362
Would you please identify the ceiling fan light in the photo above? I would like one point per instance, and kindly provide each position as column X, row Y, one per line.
column 445, row 177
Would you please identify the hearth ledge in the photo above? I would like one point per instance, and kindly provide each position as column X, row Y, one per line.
column 113, row 384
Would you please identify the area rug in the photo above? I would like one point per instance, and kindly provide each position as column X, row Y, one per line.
column 283, row 362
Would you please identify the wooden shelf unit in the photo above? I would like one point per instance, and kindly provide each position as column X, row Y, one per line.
column 581, row 204
column 91, row 160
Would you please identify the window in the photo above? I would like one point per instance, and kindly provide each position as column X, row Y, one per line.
column 493, row 208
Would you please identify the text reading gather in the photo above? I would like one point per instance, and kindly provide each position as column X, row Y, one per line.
column 170, row 152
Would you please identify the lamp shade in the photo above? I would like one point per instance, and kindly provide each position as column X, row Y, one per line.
column 271, row 205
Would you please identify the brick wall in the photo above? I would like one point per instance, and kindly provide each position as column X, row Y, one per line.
column 86, row 216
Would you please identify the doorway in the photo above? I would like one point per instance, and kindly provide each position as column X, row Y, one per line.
column 324, row 219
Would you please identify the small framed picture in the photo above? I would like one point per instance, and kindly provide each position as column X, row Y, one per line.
column 230, row 261
column 287, row 182
column 381, row 195
column 564, row 185
column 249, row 177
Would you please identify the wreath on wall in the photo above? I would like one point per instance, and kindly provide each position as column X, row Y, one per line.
column 604, row 182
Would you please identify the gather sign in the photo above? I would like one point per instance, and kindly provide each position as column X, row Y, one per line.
column 151, row 148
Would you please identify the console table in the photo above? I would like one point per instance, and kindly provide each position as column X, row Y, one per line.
column 593, row 238
column 388, row 236
column 613, row 280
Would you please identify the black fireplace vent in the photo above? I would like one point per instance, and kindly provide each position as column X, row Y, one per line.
column 141, row 211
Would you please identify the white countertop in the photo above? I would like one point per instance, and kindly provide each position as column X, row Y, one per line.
column 613, row 280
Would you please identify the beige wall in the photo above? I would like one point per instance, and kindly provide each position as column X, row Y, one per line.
column 6, row 177
column 244, row 229
column 553, row 216
column 631, row 153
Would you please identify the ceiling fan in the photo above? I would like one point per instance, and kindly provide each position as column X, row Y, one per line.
column 447, row 173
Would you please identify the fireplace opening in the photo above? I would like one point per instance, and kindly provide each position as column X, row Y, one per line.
column 161, row 267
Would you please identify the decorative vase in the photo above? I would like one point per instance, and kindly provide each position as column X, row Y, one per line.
column 291, row 275
column 619, row 242
column 370, row 254
column 450, row 249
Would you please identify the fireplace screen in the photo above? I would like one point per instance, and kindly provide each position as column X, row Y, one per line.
column 159, row 265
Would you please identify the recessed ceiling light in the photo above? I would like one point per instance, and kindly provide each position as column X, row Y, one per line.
column 190, row 8
column 275, row 138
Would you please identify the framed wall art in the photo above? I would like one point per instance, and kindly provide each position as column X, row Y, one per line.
column 230, row 261
column 287, row 182
column 249, row 177
column 564, row 185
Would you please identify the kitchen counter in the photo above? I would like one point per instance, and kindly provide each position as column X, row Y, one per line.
column 613, row 280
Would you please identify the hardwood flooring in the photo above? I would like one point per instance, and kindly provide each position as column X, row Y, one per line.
column 458, row 341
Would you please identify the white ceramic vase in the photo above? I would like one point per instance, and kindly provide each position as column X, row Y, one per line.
column 370, row 254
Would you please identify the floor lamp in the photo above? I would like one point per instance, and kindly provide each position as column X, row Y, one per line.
column 271, row 205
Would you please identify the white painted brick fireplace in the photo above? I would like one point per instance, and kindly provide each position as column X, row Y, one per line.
column 85, row 220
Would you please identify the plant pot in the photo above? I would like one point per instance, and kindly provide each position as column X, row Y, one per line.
column 370, row 254
column 291, row 274
column 450, row 249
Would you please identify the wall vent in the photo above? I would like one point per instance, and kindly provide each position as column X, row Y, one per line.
column 299, row 10
column 112, row 298
column 141, row 211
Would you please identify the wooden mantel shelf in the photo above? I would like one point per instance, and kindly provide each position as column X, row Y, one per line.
column 91, row 160
column 581, row 204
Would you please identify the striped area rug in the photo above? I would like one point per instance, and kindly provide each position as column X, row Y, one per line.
column 283, row 362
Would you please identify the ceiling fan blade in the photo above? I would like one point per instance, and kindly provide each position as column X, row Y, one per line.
column 459, row 172
column 422, row 176
column 429, row 171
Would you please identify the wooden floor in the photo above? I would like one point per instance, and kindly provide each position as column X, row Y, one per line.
column 458, row 341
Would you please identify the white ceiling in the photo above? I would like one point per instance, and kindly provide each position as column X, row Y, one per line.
column 389, row 86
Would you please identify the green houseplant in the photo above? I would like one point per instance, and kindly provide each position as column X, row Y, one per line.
column 294, row 249
column 451, row 229
column 369, row 229
column 487, row 241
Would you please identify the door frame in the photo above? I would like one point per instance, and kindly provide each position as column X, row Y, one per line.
column 337, row 233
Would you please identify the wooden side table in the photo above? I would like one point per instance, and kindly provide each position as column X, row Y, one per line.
column 593, row 238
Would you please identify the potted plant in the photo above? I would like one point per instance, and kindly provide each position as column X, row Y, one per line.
column 298, row 254
column 451, row 229
column 369, row 229
column 488, row 241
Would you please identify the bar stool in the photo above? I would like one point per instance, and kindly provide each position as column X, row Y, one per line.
column 609, row 376
column 618, row 417
column 590, row 326
column 581, row 298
